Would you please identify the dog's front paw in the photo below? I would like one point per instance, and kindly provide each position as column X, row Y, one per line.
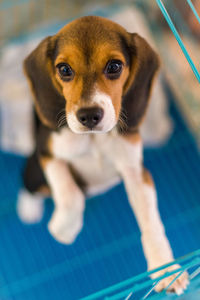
column 65, row 225
column 178, row 286
column 30, row 207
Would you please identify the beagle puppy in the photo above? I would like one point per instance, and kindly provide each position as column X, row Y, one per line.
column 91, row 84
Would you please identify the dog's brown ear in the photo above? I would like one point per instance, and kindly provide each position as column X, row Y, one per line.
column 144, row 63
column 38, row 67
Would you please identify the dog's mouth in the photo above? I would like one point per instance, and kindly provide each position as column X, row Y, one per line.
column 83, row 130
column 96, row 124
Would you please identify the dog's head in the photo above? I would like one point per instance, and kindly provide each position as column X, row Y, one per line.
column 92, row 74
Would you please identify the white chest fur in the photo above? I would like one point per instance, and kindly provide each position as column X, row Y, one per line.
column 84, row 153
column 95, row 157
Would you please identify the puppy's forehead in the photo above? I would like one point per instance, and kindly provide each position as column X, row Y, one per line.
column 89, row 35
column 92, row 27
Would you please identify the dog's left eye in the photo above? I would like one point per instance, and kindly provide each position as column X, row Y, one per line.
column 113, row 69
column 65, row 71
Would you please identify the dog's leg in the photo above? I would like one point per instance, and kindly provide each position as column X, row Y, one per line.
column 67, row 219
column 142, row 197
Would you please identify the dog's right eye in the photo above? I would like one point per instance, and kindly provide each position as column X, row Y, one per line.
column 113, row 69
column 65, row 71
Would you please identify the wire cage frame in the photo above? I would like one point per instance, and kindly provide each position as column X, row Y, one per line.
column 177, row 35
column 181, row 40
column 128, row 289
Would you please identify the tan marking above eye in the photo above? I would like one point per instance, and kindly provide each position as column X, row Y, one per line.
column 113, row 56
column 104, row 54
column 69, row 54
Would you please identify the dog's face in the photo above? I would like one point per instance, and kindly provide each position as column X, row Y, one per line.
column 91, row 69
column 82, row 74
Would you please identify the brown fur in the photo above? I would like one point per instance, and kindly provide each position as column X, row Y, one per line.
column 44, row 161
column 132, row 138
column 147, row 177
column 44, row 190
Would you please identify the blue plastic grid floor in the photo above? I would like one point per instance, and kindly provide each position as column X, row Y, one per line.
column 34, row 266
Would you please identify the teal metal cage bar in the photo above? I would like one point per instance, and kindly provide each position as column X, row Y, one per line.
column 177, row 35
column 126, row 289
column 194, row 10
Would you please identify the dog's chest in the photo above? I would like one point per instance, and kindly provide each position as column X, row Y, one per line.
column 90, row 155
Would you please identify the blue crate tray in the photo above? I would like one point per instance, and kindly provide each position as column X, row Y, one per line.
column 108, row 251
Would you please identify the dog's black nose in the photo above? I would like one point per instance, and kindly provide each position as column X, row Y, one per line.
column 90, row 117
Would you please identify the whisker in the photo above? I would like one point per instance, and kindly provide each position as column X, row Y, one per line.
column 122, row 121
column 62, row 120
column 122, row 125
column 123, row 114
column 60, row 113
column 62, row 123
